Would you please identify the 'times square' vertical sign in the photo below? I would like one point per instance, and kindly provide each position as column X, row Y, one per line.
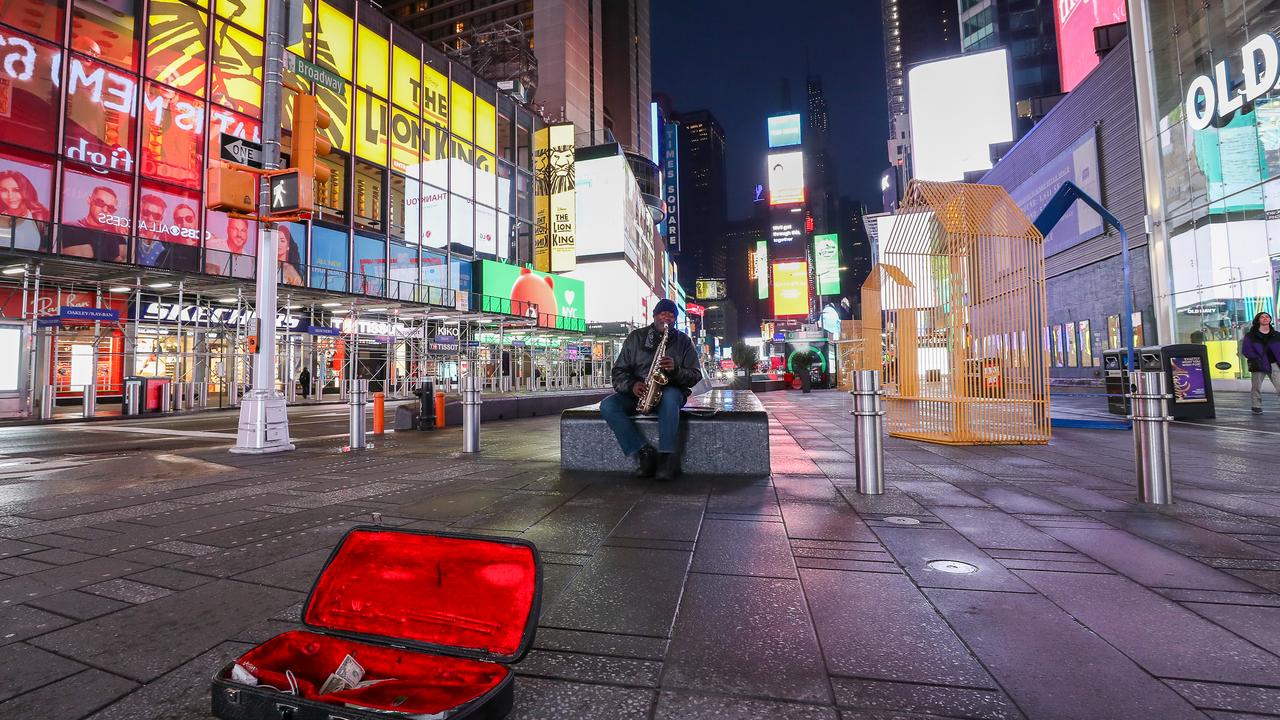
column 554, row 242
column 671, row 182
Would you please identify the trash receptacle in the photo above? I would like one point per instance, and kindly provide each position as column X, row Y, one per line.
column 426, row 415
column 1188, row 379
column 134, row 395
column 1116, row 380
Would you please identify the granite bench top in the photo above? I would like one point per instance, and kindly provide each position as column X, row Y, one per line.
column 719, row 401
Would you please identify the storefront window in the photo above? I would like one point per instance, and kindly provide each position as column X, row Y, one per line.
column 402, row 271
column 486, row 232
column 462, row 224
column 372, row 128
column 486, row 179
column 368, row 196
column 100, row 111
column 95, row 215
column 405, row 141
column 328, row 258
column 372, row 70
column 168, row 228
column 334, row 38
column 26, row 193
column 339, row 108
column 248, row 14
column 406, row 76
column 396, row 209
column 29, row 72
column 435, row 216
column 230, row 246
column 237, row 70
column 291, row 250
column 1070, row 332
column 106, row 31
column 172, row 136
column 371, row 266
column 506, row 188
column 331, row 196
column 176, row 45
column 37, row 17
column 1086, row 345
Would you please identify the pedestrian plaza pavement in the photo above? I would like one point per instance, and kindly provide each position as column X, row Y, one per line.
column 123, row 589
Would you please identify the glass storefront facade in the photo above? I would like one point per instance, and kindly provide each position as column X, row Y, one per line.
column 110, row 113
column 1221, row 210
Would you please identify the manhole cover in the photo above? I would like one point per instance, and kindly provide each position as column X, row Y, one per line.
column 902, row 521
column 955, row 567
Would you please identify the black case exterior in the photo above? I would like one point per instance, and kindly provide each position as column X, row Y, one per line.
column 236, row 701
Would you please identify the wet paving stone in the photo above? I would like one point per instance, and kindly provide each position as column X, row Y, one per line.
column 1259, row 625
column 1185, row 538
column 744, row 548
column 181, row 694
column 71, row 697
column 910, row 644
column 606, row 597
column 894, row 697
column 590, row 668
column 27, row 668
column 599, row 643
column 989, row 528
column 822, row 521
column 127, row 591
column 1235, row 698
column 1146, row 562
column 539, row 699
column 673, row 705
column 19, row 622
column 746, row 636
column 25, row 588
column 77, row 605
column 516, row 511
column 914, row 548
column 23, row 565
column 662, row 519
column 575, row 528
column 933, row 493
column 164, row 634
column 1033, row 648
column 1187, row 646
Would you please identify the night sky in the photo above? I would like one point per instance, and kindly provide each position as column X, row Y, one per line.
column 730, row 57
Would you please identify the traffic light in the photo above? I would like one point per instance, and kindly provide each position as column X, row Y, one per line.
column 231, row 189
column 307, row 144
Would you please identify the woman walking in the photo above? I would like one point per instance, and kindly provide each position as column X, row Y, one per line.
column 1261, row 348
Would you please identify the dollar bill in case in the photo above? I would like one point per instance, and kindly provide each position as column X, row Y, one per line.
column 400, row 624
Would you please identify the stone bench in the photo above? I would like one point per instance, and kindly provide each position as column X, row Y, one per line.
column 722, row 432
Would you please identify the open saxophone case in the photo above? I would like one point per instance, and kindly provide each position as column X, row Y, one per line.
column 400, row 624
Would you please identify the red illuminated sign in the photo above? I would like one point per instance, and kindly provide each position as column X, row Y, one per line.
column 1076, row 20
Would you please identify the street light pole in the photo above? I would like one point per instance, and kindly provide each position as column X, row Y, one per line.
column 264, row 417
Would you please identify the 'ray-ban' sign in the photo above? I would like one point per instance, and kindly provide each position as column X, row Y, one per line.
column 1224, row 93
column 239, row 150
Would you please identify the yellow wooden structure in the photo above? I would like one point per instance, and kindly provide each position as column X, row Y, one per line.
column 954, row 317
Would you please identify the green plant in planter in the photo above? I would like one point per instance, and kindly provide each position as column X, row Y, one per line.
column 744, row 358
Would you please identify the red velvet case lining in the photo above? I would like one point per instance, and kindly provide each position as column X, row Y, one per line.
column 428, row 683
column 454, row 592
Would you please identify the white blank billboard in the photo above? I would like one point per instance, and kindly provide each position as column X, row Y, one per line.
column 786, row 178
column 959, row 107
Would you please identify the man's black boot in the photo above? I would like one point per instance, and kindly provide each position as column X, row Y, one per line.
column 668, row 466
column 648, row 461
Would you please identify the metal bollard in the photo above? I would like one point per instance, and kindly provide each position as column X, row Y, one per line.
column 1151, row 438
column 356, row 410
column 132, row 399
column 166, row 397
column 191, row 396
column 868, row 429
column 46, row 402
column 471, row 414
column 90, row 407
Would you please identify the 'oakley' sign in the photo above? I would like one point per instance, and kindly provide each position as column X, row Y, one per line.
column 1219, row 96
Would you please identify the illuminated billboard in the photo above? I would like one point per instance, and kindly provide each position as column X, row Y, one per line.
column 560, row 301
column 786, row 178
column 790, row 289
column 959, row 108
column 826, row 263
column 784, row 130
column 554, row 242
column 710, row 289
column 1075, row 21
column 762, row 269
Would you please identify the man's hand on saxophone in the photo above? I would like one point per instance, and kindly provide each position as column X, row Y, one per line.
column 666, row 363
column 640, row 388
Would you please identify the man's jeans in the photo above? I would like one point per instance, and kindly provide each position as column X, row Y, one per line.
column 1256, row 384
column 618, row 408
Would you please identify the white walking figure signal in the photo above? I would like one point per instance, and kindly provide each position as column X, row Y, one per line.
column 277, row 193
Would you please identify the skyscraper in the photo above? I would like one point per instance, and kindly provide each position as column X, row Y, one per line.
column 592, row 56
column 821, row 173
column 703, row 199
column 915, row 31
column 1026, row 28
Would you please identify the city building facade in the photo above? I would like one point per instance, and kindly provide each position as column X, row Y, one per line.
column 703, row 199
column 1208, row 119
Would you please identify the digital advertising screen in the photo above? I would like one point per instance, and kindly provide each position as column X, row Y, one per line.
column 1075, row 21
column 790, row 289
column 555, row 296
column 959, row 108
column 784, row 130
column 786, row 178
column 762, row 269
column 826, row 263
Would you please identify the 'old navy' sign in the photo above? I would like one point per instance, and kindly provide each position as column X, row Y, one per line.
column 1210, row 98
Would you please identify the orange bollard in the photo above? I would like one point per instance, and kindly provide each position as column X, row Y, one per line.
column 379, row 414
column 440, row 408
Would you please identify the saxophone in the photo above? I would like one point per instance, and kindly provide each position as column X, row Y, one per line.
column 656, row 379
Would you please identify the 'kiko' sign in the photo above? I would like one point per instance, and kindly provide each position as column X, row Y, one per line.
column 1219, row 96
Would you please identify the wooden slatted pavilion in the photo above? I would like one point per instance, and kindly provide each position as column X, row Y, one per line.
column 960, row 297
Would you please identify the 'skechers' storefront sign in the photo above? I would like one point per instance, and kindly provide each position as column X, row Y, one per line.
column 1209, row 98
column 209, row 315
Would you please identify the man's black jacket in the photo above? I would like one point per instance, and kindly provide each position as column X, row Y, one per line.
column 637, row 356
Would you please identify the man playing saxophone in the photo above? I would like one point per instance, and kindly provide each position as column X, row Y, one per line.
column 632, row 378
